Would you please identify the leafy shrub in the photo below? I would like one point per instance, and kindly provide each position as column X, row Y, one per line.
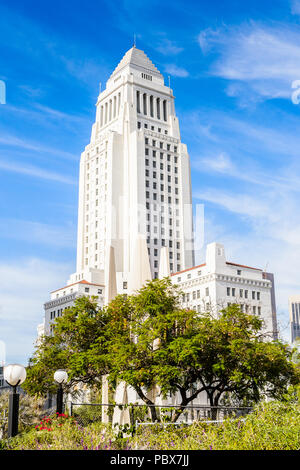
column 62, row 432
column 30, row 412
column 272, row 426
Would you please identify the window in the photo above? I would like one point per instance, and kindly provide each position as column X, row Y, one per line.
column 258, row 295
column 138, row 102
column 124, row 285
column 151, row 106
column 158, row 108
column 241, row 292
column 165, row 110
column 144, row 103
column 239, row 272
column 246, row 294
column 233, row 292
column 207, row 291
column 259, row 310
column 189, row 276
column 228, row 290
column 99, row 291
column 254, row 310
column 86, row 289
column 253, row 295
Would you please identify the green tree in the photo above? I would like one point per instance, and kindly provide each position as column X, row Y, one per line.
column 182, row 351
column 148, row 340
column 77, row 344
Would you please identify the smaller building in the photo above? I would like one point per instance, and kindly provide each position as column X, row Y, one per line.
column 217, row 283
column 294, row 311
column 65, row 297
column 3, row 385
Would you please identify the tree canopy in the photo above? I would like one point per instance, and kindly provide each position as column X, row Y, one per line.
column 148, row 340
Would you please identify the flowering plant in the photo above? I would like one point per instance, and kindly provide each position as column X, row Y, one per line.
column 48, row 424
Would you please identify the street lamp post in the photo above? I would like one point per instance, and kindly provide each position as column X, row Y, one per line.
column 60, row 376
column 14, row 374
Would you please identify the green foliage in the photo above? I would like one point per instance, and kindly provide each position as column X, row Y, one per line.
column 64, row 433
column 179, row 350
column 30, row 411
column 150, row 342
column 273, row 426
column 77, row 345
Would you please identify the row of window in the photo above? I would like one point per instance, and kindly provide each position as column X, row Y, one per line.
column 296, row 312
column 162, row 199
column 161, row 155
column 161, row 166
column 151, row 106
column 162, row 176
column 139, row 126
column 245, row 308
column 232, row 291
column 161, row 144
column 179, row 279
column 110, row 109
column 57, row 313
column 162, row 187
column 194, row 295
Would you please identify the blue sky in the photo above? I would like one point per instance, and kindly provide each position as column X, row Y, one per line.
column 232, row 65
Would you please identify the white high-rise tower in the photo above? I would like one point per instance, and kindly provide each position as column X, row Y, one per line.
column 134, row 174
column 134, row 187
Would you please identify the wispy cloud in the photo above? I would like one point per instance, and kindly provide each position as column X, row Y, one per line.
column 25, row 284
column 167, row 47
column 35, row 172
column 26, row 144
column 176, row 71
column 295, row 7
column 265, row 58
column 37, row 233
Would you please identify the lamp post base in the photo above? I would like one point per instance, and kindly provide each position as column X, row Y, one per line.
column 59, row 400
column 13, row 413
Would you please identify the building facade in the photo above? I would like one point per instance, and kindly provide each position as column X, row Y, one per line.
column 135, row 193
column 294, row 311
column 218, row 283
column 134, row 175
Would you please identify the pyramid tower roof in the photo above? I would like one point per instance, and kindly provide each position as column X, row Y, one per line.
column 138, row 58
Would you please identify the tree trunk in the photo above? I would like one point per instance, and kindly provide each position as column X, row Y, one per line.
column 154, row 417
